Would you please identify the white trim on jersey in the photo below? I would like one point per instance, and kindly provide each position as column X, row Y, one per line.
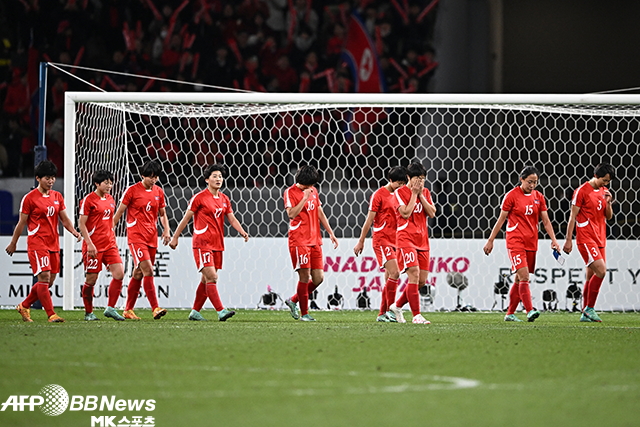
column 402, row 227
column 200, row 261
column 590, row 260
column 38, row 266
column 131, row 224
column 82, row 206
column 287, row 203
column 402, row 203
column 125, row 193
column 196, row 231
column 22, row 202
column 91, row 232
column 582, row 224
column 371, row 202
column 510, row 229
column 292, row 227
column 34, row 231
column 376, row 229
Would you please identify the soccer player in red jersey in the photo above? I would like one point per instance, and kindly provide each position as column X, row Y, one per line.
column 39, row 211
column 99, row 246
column 382, row 215
column 412, row 240
column 144, row 202
column 305, row 241
column 591, row 206
column 522, row 206
column 209, row 209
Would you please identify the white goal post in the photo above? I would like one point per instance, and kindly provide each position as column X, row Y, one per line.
column 473, row 146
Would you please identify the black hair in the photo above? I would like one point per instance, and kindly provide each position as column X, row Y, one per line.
column 214, row 168
column 102, row 175
column 46, row 168
column 397, row 173
column 307, row 175
column 603, row 169
column 528, row 170
column 416, row 169
column 151, row 169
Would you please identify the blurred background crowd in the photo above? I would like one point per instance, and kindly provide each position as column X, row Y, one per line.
column 252, row 45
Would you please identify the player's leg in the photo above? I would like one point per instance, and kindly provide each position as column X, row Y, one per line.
column 301, row 261
column 43, row 290
column 384, row 305
column 525, row 289
column 514, row 301
column 87, row 295
column 212, row 287
column 202, row 259
column 146, row 265
column 422, row 281
column 596, row 271
column 391, row 285
column 115, row 287
column 135, row 283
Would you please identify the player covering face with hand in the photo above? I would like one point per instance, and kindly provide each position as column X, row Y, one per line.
column 305, row 241
column 208, row 209
column 412, row 240
column 591, row 207
column 522, row 206
column 382, row 216
column 39, row 211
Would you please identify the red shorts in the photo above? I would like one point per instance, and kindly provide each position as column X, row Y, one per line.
column 141, row 252
column 384, row 254
column 410, row 257
column 94, row 265
column 590, row 253
column 520, row 258
column 43, row 260
column 205, row 258
column 306, row 257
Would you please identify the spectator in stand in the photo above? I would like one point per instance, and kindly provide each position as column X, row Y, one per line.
column 17, row 100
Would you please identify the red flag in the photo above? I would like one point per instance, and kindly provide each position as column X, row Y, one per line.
column 359, row 52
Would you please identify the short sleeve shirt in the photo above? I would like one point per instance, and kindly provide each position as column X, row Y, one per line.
column 385, row 205
column 208, row 219
column 591, row 224
column 99, row 214
column 412, row 232
column 304, row 229
column 142, row 213
column 523, row 219
column 42, row 223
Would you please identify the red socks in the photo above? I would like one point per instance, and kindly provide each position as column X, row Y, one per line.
column 115, row 287
column 525, row 296
column 32, row 297
column 388, row 295
column 132, row 293
column 412, row 296
column 403, row 298
column 384, row 305
column 310, row 288
column 150, row 290
column 45, row 297
column 303, row 297
column 514, row 298
column 594, row 290
column 201, row 297
column 212, row 293
column 87, row 297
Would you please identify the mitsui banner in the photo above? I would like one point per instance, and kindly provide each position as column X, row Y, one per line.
column 249, row 268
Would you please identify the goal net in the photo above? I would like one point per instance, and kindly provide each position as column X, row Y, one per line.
column 473, row 147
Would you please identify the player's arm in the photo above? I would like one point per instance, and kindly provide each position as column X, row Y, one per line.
column 185, row 220
column 488, row 247
column 363, row 234
column 118, row 214
column 66, row 223
column 547, row 226
column 11, row 248
column 325, row 223
column 608, row 212
column 430, row 209
column 568, row 244
column 166, row 231
column 233, row 221
column 294, row 211
column 82, row 225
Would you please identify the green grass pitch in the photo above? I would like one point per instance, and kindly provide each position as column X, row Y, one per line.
column 261, row 368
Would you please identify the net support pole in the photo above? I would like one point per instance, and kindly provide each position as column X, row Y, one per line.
column 40, row 150
column 70, row 201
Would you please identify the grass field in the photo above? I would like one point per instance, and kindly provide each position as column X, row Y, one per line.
column 261, row 368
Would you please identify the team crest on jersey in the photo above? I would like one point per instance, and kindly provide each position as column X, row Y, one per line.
column 157, row 198
column 55, row 202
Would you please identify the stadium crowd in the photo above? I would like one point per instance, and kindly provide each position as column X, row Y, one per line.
column 255, row 45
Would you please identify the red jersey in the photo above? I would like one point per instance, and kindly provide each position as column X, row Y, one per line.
column 208, row 219
column 99, row 214
column 524, row 216
column 412, row 232
column 304, row 229
column 591, row 225
column 42, row 224
column 385, row 205
column 142, row 213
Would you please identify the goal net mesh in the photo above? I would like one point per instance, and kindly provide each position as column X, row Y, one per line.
column 473, row 154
